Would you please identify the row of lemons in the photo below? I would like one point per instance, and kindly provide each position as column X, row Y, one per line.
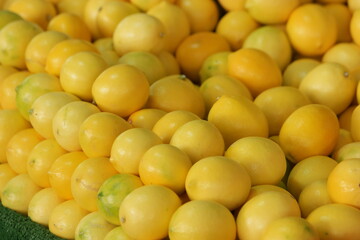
column 182, row 119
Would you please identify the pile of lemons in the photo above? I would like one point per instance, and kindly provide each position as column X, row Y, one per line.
column 182, row 119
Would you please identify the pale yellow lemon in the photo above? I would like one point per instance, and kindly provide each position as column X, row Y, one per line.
column 188, row 137
column 93, row 225
column 349, row 150
column 67, row 121
column 128, row 148
column 263, row 159
column 215, row 64
column 40, row 160
column 307, row 171
column 310, row 130
column 202, row 219
column 166, row 126
column 228, row 114
column 8, row 89
column 146, row 117
column 297, row 70
column 146, row 211
column 278, row 103
column 211, row 175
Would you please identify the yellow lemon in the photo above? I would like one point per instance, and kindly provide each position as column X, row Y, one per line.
column 6, row 174
column 176, row 92
column 121, row 89
column 117, row 234
column 146, row 117
column 79, row 72
column 19, row 148
column 215, row 64
column 93, row 225
column 259, row 189
column 8, row 89
column 235, row 26
column 111, row 13
column 74, row 7
column 263, row 159
column 146, row 5
column 18, row 192
column 312, row 29
column 14, row 38
column 70, row 24
column 297, row 70
column 147, row 62
column 39, row 47
column 345, row 117
column 343, row 182
column 310, row 130
column 129, row 147
column 62, row 51
column 325, row 220
column 169, row 62
column 67, row 121
column 40, row 160
column 98, row 132
column 218, row 174
column 64, row 219
column 61, row 171
column 271, row 12
column 146, row 211
column 112, row 192
column 260, row 211
column 167, row 125
column 202, row 219
column 229, row 114
column 255, row 68
column 166, row 165
column 7, row 16
column 32, row 87
column 296, row 228
column 42, row 204
column 176, row 23
column 11, row 122
column 313, row 195
column 44, row 108
column 87, row 178
column 355, row 26
column 230, row 5
column 273, row 41
column 355, row 127
column 307, row 171
column 349, row 150
column 139, row 32
column 343, row 16
column 189, row 136
column 278, row 103
column 344, row 138
column 338, row 86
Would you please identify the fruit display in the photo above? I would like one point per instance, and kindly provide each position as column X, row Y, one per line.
column 179, row 119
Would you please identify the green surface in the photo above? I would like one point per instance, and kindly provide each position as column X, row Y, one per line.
column 15, row 226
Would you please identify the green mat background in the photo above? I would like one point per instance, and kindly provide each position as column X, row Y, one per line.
column 15, row 226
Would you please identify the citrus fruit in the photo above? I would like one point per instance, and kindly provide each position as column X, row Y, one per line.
column 354, row 127
column 169, row 62
column 6, row 174
column 354, row 26
column 75, row 7
column 325, row 220
column 343, row 16
column 235, row 26
column 19, row 148
column 307, row 171
column 91, row 226
column 297, row 70
column 117, row 233
column 112, row 192
column 176, row 92
column 64, row 219
column 262, row 158
column 14, row 38
column 146, row 117
column 215, row 64
column 44, row 108
column 146, row 5
column 202, row 219
column 312, row 29
column 7, row 16
column 128, row 148
column 350, row 150
column 146, row 211
column 11, row 122
column 188, row 136
column 255, row 68
column 67, row 121
column 228, row 114
column 139, row 32
column 8, row 89
column 343, row 182
column 121, row 89
column 42, row 204
column 310, row 130
column 166, row 126
column 32, row 87
column 61, row 171
column 79, row 72
column 211, row 175
column 18, row 192
column 40, row 160
column 261, row 188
